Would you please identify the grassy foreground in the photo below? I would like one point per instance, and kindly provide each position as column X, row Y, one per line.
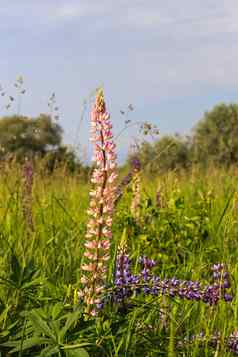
column 193, row 226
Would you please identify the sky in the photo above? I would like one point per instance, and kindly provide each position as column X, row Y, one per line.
column 172, row 60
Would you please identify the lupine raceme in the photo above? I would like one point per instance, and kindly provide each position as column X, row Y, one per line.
column 136, row 189
column 27, row 180
column 102, row 197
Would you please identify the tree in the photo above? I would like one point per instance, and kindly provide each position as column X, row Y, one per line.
column 63, row 156
column 22, row 136
column 215, row 138
column 171, row 152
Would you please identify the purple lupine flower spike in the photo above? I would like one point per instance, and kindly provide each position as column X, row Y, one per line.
column 127, row 284
column 124, row 279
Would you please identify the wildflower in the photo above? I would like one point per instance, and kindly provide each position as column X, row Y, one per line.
column 233, row 342
column 136, row 164
column 158, row 199
column 147, row 264
column 127, row 284
column 136, row 189
column 102, row 198
column 27, row 179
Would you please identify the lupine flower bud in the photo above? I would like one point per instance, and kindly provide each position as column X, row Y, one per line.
column 135, row 164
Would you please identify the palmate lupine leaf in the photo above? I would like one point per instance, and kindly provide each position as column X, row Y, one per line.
column 24, row 278
column 41, row 326
column 26, row 344
column 71, row 319
column 48, row 330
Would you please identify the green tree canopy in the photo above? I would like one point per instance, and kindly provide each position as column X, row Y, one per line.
column 171, row 152
column 215, row 138
column 22, row 136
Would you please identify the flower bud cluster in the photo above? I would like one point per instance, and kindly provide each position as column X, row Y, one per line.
column 123, row 277
column 146, row 264
column 102, row 196
column 232, row 342
column 221, row 282
column 135, row 164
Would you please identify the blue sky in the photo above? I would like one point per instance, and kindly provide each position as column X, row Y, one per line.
column 172, row 60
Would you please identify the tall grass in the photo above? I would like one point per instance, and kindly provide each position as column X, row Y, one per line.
column 195, row 227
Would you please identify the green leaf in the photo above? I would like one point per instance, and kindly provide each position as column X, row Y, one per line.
column 40, row 325
column 16, row 270
column 56, row 310
column 78, row 352
column 50, row 351
column 71, row 319
column 29, row 343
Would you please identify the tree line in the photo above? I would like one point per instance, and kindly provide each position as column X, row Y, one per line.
column 41, row 138
column 214, row 140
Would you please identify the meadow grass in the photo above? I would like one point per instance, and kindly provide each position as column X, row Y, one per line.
column 195, row 226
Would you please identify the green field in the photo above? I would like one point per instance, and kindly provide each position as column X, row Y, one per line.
column 195, row 226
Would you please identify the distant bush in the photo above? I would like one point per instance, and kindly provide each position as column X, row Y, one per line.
column 215, row 138
column 38, row 139
column 171, row 152
column 21, row 136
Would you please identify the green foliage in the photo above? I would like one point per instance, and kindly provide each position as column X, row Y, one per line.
column 213, row 141
column 194, row 227
column 21, row 136
column 215, row 137
column 47, row 330
column 168, row 153
column 65, row 157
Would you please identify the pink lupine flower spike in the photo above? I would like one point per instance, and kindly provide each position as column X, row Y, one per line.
column 102, row 197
